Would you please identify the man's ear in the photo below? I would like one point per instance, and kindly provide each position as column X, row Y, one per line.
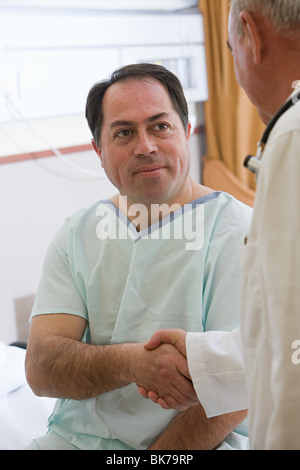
column 189, row 129
column 252, row 33
column 97, row 150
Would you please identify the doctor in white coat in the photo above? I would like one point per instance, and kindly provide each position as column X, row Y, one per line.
column 258, row 366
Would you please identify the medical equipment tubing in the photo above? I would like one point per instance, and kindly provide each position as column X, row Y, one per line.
column 253, row 163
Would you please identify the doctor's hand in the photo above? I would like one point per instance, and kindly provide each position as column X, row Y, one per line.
column 177, row 338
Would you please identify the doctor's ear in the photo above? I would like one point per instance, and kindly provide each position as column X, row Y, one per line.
column 252, row 34
column 97, row 150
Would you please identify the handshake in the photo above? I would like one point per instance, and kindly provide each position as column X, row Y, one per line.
column 178, row 392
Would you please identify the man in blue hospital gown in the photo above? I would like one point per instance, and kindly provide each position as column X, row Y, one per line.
column 161, row 253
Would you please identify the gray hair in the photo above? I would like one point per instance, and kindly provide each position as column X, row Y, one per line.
column 283, row 14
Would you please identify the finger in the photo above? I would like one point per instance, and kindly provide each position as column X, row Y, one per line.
column 163, row 404
column 174, row 404
column 153, row 396
column 182, row 391
column 143, row 392
column 170, row 336
column 158, row 400
column 174, row 397
column 168, row 403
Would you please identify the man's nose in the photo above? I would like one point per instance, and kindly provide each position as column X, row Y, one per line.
column 144, row 144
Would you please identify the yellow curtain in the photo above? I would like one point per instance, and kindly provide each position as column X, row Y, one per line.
column 233, row 126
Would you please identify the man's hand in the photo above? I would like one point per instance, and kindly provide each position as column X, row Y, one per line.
column 163, row 371
column 168, row 401
column 172, row 336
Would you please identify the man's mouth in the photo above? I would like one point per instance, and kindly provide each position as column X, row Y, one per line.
column 150, row 170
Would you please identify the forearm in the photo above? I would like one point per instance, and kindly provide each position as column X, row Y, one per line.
column 65, row 368
column 192, row 430
column 61, row 366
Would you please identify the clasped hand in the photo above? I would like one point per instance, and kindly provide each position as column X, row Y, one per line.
column 179, row 393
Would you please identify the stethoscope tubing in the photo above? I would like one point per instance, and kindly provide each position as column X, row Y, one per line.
column 253, row 163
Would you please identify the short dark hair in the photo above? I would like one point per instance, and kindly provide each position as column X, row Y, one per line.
column 94, row 109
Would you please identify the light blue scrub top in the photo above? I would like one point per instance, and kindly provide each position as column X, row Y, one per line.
column 180, row 273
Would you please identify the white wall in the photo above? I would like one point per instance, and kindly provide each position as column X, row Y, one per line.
column 35, row 198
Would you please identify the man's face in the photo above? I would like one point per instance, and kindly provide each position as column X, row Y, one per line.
column 144, row 147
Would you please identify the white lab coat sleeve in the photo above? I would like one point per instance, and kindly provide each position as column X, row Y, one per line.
column 215, row 360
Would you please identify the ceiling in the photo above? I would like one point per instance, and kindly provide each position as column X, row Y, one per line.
column 102, row 5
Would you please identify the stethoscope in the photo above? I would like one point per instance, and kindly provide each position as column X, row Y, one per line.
column 253, row 163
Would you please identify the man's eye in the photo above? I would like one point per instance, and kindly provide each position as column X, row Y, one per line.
column 123, row 133
column 161, row 127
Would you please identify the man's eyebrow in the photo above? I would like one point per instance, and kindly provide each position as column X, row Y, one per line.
column 157, row 116
column 123, row 122
column 120, row 122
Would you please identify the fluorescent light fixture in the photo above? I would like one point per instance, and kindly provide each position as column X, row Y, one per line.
column 103, row 5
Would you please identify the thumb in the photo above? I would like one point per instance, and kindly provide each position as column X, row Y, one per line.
column 170, row 336
column 154, row 341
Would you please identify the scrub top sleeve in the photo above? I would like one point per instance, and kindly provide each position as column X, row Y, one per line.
column 57, row 291
column 217, row 370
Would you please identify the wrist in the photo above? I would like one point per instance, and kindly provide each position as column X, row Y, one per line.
column 130, row 355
